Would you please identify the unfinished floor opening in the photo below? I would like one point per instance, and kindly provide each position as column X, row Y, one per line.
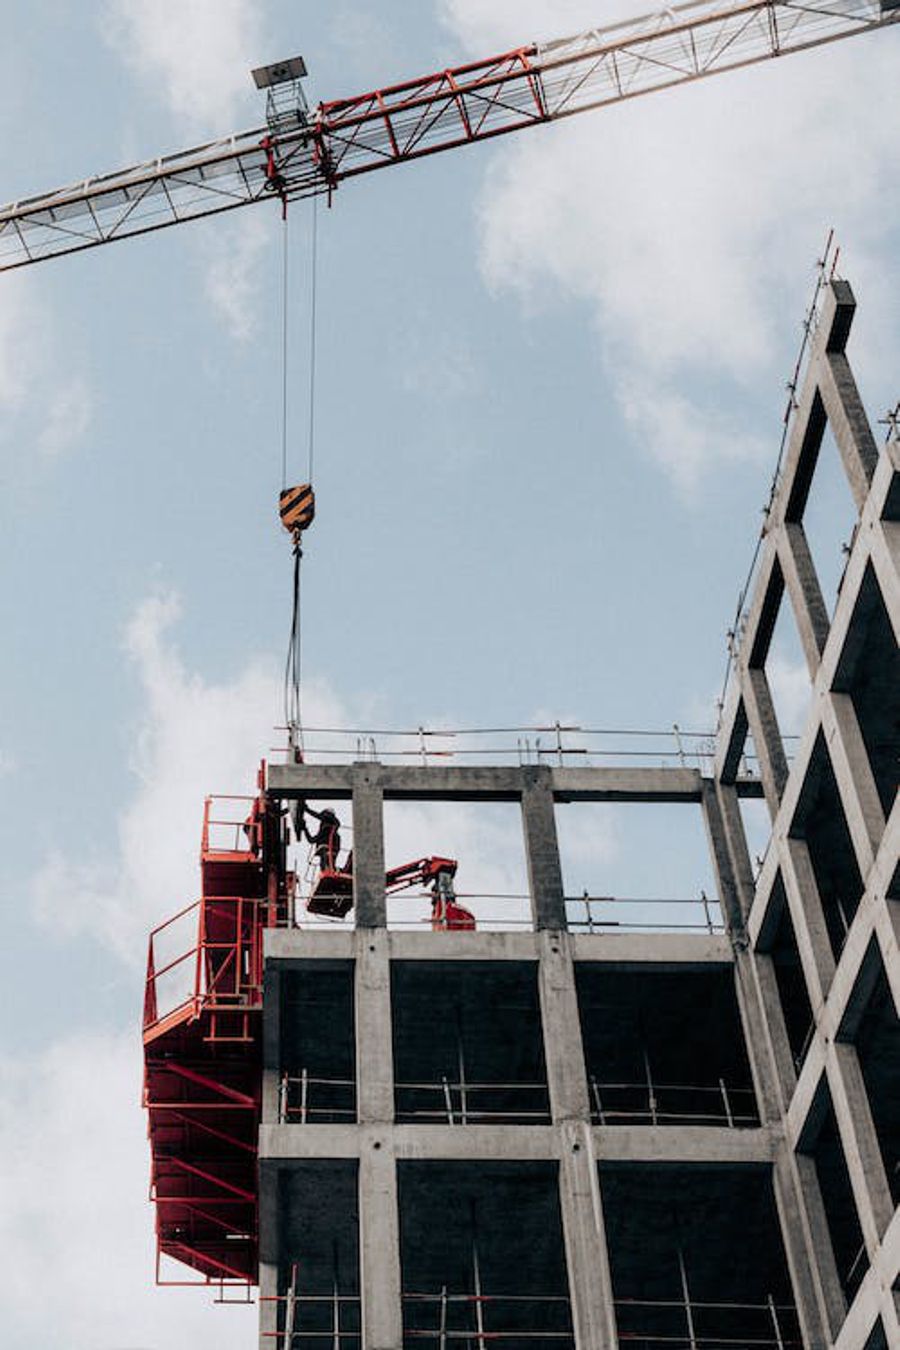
column 317, row 1053
column 821, row 1140
column 318, row 1257
column 821, row 822
column 482, row 1256
column 664, row 1047
column 875, row 1032
column 468, row 1044
column 637, row 866
column 780, row 942
column 696, row 1258
column 869, row 672
column 484, row 840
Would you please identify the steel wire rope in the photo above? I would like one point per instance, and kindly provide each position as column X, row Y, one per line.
column 293, row 663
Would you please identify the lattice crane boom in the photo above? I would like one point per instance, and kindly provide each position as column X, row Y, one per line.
column 528, row 86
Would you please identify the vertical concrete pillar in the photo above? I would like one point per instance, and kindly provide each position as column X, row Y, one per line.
column 590, row 1283
column 542, row 849
column 268, row 1305
column 563, row 1049
column 374, row 1046
column 817, row 1290
column 379, row 1244
column 368, row 848
column 763, row 722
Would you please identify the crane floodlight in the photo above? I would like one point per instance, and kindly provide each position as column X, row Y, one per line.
column 280, row 72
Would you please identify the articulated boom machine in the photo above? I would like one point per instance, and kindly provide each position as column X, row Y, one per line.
column 332, row 894
column 202, row 1028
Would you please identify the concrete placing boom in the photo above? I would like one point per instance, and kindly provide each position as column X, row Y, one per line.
column 298, row 155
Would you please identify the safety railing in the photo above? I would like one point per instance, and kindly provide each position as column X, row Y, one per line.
column 314, row 1320
column 696, row 1324
column 478, row 1320
column 558, row 743
column 207, row 955
column 666, row 914
column 304, row 1099
column 510, row 912
column 461, row 1103
column 227, row 828
column 651, row 1103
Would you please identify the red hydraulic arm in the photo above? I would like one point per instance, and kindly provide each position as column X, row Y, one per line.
column 304, row 156
column 333, row 892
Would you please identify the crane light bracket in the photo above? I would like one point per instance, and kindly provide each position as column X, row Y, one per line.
column 286, row 105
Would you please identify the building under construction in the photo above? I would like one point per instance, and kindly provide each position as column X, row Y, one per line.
column 567, row 1130
column 572, row 1133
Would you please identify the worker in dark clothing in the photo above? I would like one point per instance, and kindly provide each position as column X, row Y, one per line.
column 327, row 839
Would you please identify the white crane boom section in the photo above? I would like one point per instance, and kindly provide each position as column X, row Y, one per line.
column 528, row 86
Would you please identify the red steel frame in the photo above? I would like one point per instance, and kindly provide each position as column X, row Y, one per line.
column 203, row 1056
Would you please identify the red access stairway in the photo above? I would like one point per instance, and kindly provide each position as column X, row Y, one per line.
column 203, row 1046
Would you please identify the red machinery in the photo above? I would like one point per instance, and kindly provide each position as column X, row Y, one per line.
column 332, row 894
column 202, row 1046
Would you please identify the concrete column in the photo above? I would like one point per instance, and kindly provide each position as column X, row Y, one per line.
column 563, row 1049
column 810, row 930
column 802, row 585
column 817, row 1289
column 374, row 1044
column 860, row 1144
column 271, row 1043
column 736, row 842
column 590, row 1283
column 542, row 850
column 854, row 778
column 268, row 1306
column 368, row 848
column 717, row 839
column 379, row 1243
column 766, row 736
column 849, row 423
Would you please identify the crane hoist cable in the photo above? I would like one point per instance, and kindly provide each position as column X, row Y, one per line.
column 297, row 505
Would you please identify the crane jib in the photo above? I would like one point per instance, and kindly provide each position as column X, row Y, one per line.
column 478, row 101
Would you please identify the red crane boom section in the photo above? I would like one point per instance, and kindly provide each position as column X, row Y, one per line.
column 531, row 85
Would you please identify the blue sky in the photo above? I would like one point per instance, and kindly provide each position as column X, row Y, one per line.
column 550, row 384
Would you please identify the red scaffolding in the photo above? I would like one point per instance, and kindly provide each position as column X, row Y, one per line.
column 203, row 1046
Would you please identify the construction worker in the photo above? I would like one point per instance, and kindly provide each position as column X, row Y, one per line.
column 327, row 839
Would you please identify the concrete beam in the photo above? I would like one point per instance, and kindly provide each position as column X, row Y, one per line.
column 626, row 785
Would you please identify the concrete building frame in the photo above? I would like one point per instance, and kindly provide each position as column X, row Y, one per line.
column 826, row 794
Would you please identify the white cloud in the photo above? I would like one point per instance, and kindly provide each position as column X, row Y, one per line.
column 195, row 57
column 503, row 24
column 791, row 692
column 689, row 220
column 76, row 1229
column 233, row 256
column 37, row 385
column 197, row 54
column 195, row 738
column 69, row 412
column 19, row 351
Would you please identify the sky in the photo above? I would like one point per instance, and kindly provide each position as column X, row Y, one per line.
column 550, row 382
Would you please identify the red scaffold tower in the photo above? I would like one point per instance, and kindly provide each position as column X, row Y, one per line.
column 202, row 1034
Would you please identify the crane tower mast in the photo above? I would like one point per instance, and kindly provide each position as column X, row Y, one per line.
column 525, row 87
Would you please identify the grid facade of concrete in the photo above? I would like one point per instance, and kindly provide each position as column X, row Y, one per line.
column 547, row 1138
